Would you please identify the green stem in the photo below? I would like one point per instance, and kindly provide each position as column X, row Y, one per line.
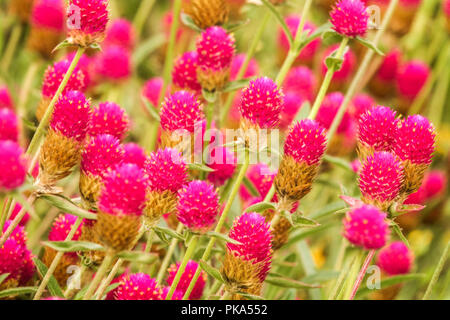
column 40, row 131
column 166, row 261
column 340, row 280
column 226, row 296
column 223, row 217
column 5, row 212
column 141, row 14
column 189, row 252
column 11, row 47
column 437, row 272
column 338, row 264
column 327, row 80
column 99, row 275
column 79, row 277
column 361, row 71
column 148, row 247
column 56, row 261
column 250, row 53
column 105, row 283
column 362, row 273
column 356, row 266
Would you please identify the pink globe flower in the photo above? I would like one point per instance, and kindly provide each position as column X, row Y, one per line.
column 434, row 184
column 62, row 226
column 71, row 116
column 152, row 90
column 446, row 8
column 134, row 153
column 54, row 75
column 215, row 49
column 389, row 67
column 415, row 140
column 301, row 80
column 8, row 125
column 87, row 20
column 139, row 286
column 350, row 18
column 186, row 278
column 120, row 32
column 13, row 260
column 366, row 227
column 177, row 294
column 262, row 103
column 184, row 72
column 101, row 154
column 167, row 170
column 251, row 230
column 109, row 118
column 15, row 212
column 14, row 164
column 411, row 78
column 114, row 63
column 48, row 14
column 198, row 206
column 308, row 53
column 18, row 234
column 395, row 259
column 329, row 109
column 236, row 64
column 380, row 179
column 224, row 163
column 262, row 178
column 347, row 68
column 85, row 64
column 378, row 128
column 361, row 103
column 292, row 104
column 5, row 98
column 180, row 110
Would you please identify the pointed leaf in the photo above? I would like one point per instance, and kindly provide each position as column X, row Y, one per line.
column 189, row 22
column 213, row 272
column 17, row 291
column 261, row 207
column 370, row 45
column 137, row 256
column 66, row 205
column 303, row 222
column 386, row 283
column 210, row 96
column 251, row 296
column 289, row 283
column 200, row 167
column 3, row 277
column 53, row 286
column 235, row 85
column 151, row 110
column 171, row 233
column 222, row 237
column 73, row 246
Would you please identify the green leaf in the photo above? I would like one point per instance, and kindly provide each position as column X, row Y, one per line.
column 210, row 96
column 161, row 235
column 280, row 19
column 138, row 256
column 370, row 45
column 17, row 291
column 147, row 47
column 233, row 27
column 399, row 233
column 386, row 283
column 289, row 283
column 329, row 209
column 319, row 32
column 189, row 22
column 81, row 293
column 66, row 205
column 250, row 296
column 200, row 167
column 235, row 85
column 261, row 207
column 169, row 232
column 321, row 276
column 96, row 46
column 62, row 45
column 3, row 277
column 151, row 109
column 300, row 221
column 329, row 37
column 222, row 237
column 344, row 164
column 251, row 187
column 53, row 286
column 29, row 124
column 73, row 246
column 213, row 272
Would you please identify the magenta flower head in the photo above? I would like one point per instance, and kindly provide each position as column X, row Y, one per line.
column 389, row 67
column 303, row 150
column 134, row 153
column 292, row 104
column 15, row 212
column 86, row 65
column 61, row 150
column 434, row 184
column 121, row 33
column 152, row 90
column 87, row 21
column 198, row 206
column 15, row 259
column 414, row 144
column 380, row 179
column 308, row 53
column 114, row 63
column 236, row 64
column 184, row 73
column 377, row 130
column 139, row 286
column 167, row 172
column 350, row 18
column 261, row 176
column 109, row 118
column 411, row 78
column 301, row 80
column 177, row 294
column 5, row 98
column 261, row 104
column 348, row 66
column 121, row 204
column 328, row 111
column 224, row 163
column 18, row 234
column 215, row 49
column 366, row 227
column 186, row 278
column 247, row 264
column 361, row 103
column 395, row 259
column 14, row 164
column 8, row 125
column 100, row 155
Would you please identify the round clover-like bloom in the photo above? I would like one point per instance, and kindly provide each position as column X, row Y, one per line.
column 361, row 103
column 48, row 14
column 184, row 72
column 181, row 110
column 152, row 90
column 389, row 67
column 411, row 78
column 236, row 64
column 114, row 63
column 366, row 227
column 224, row 163
column 262, row 103
column 198, row 206
column 300, row 80
column 328, row 110
column 350, row 18
column 5, row 98
column 16, row 260
column 134, row 153
column 186, row 278
column 87, row 21
column 139, row 286
column 109, row 118
column 54, row 75
column 396, row 258
column 380, row 179
column 13, row 164
column 8, row 125
column 120, row 32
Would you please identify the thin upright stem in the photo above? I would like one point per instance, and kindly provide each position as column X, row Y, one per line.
column 362, row 273
column 79, row 277
column 188, row 254
column 142, row 13
column 99, row 275
column 148, row 246
column 11, row 47
column 56, row 261
column 222, row 220
column 105, row 283
column 437, row 272
column 168, row 256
